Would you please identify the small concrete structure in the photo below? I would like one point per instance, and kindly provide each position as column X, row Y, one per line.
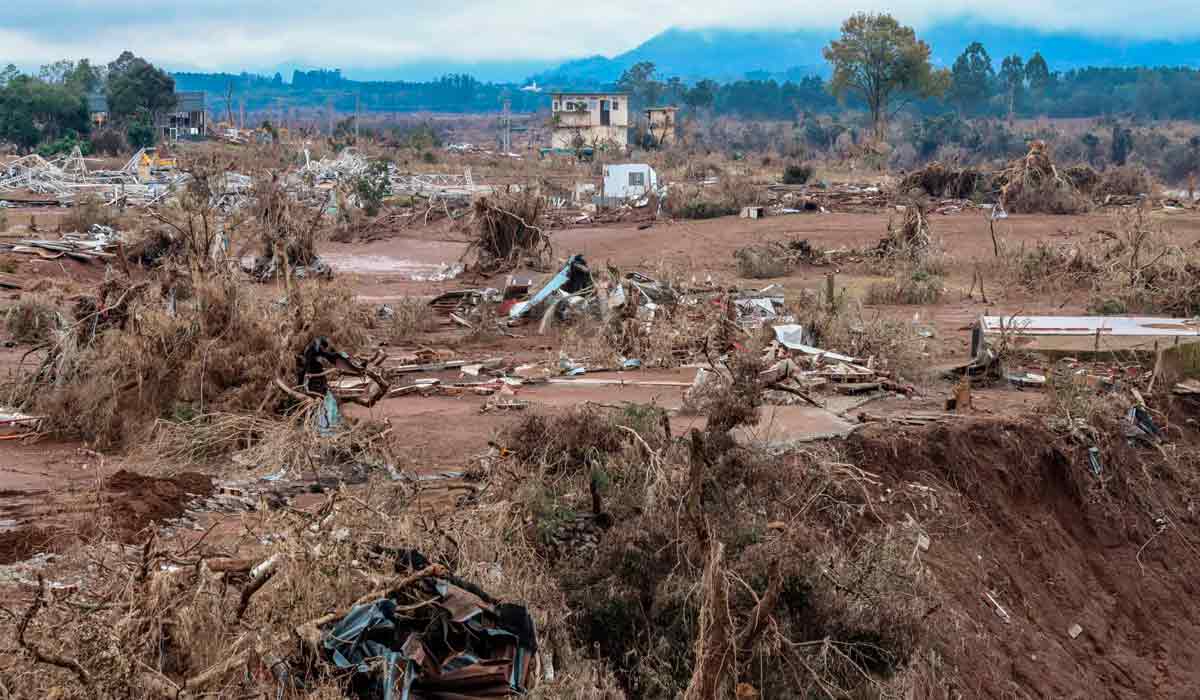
column 662, row 124
column 589, row 119
column 628, row 181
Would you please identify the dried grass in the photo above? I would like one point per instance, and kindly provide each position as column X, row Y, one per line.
column 109, row 375
column 33, row 319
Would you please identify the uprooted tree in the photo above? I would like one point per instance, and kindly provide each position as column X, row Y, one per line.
column 507, row 234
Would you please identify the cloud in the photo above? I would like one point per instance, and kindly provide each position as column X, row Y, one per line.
column 261, row 34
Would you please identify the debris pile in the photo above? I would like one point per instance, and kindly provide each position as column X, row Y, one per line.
column 99, row 243
column 144, row 180
column 1033, row 184
column 431, row 635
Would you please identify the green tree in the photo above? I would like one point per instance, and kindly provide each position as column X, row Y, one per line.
column 971, row 78
column 1122, row 144
column 134, row 84
column 1012, row 77
column 140, row 132
column 702, row 95
column 8, row 74
column 639, row 81
column 84, row 77
column 879, row 60
column 33, row 111
column 1037, row 74
column 1091, row 143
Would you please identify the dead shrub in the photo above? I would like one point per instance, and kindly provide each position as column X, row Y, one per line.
column 285, row 227
column 642, row 587
column 909, row 285
column 1124, row 181
column 938, row 180
column 126, row 359
column 32, row 319
column 761, row 262
column 1083, row 177
column 724, row 198
column 410, row 318
column 1145, row 271
column 910, row 236
column 1049, row 266
column 87, row 211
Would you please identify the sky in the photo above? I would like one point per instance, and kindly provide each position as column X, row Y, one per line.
column 367, row 36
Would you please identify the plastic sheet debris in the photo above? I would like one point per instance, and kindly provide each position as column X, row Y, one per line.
column 436, row 637
column 791, row 336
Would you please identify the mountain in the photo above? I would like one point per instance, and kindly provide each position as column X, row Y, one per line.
column 725, row 54
column 716, row 54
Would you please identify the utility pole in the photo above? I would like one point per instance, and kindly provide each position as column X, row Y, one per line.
column 506, row 126
column 242, row 110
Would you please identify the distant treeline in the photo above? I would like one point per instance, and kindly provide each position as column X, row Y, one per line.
column 321, row 88
column 1032, row 90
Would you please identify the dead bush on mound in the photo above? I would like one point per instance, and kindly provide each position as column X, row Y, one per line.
column 33, row 319
column 938, row 180
column 506, row 233
column 1124, row 181
column 286, row 230
column 409, row 318
column 86, row 212
column 1083, row 177
column 909, row 237
column 1033, row 185
column 692, row 569
column 1145, row 271
column 129, row 355
column 725, row 198
column 909, row 285
column 1047, row 267
column 774, row 258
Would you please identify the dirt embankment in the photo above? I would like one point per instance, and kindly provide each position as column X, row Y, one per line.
column 128, row 501
column 1096, row 574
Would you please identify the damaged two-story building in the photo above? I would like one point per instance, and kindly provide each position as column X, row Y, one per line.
column 589, row 120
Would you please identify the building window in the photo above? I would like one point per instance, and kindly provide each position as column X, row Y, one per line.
column 616, row 105
column 556, row 105
column 637, row 179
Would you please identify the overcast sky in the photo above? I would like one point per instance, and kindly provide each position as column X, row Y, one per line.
column 259, row 34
